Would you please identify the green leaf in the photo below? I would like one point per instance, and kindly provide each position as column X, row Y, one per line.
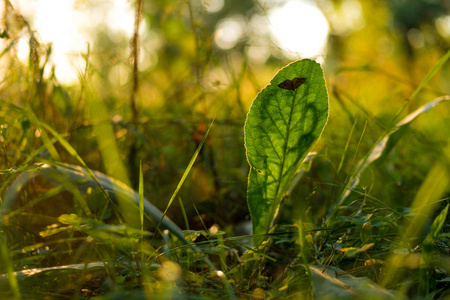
column 436, row 228
column 70, row 219
column 285, row 120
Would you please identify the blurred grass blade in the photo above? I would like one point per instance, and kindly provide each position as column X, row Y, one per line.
column 435, row 185
column 380, row 149
column 117, row 190
column 185, row 174
column 39, row 276
column 106, row 142
column 303, row 250
column 27, row 162
column 21, row 169
column 341, row 164
column 285, row 120
column 70, row 150
column 141, row 210
column 7, row 267
column 141, row 198
column 427, row 250
column 427, row 78
column 183, row 211
column 104, row 134
column 32, row 117
column 436, row 227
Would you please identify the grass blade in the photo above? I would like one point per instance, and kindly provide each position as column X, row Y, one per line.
column 185, row 174
column 380, row 149
column 7, row 265
column 427, row 78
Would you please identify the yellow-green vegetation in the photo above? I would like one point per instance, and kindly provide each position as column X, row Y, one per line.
column 134, row 182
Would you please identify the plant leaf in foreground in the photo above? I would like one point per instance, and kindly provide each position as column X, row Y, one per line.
column 285, row 120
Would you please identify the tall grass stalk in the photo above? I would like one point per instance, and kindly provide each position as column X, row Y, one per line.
column 141, row 210
column 9, row 268
column 185, row 174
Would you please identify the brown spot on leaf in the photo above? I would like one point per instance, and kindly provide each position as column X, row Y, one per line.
column 292, row 84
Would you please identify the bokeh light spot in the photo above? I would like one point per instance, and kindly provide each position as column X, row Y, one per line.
column 229, row 31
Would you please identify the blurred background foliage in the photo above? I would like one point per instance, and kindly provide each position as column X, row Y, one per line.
column 204, row 59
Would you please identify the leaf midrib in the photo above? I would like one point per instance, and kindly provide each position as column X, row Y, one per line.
column 283, row 160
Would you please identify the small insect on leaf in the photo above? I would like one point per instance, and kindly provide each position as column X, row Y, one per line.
column 292, row 84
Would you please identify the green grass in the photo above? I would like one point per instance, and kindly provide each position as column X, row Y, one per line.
column 88, row 189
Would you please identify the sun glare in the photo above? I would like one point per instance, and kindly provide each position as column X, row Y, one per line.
column 299, row 28
column 68, row 26
column 54, row 22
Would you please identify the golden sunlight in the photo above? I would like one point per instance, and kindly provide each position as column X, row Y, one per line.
column 294, row 29
column 68, row 25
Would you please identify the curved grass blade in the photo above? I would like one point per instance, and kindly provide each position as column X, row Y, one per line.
column 284, row 122
column 380, row 149
column 116, row 190
column 427, row 78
